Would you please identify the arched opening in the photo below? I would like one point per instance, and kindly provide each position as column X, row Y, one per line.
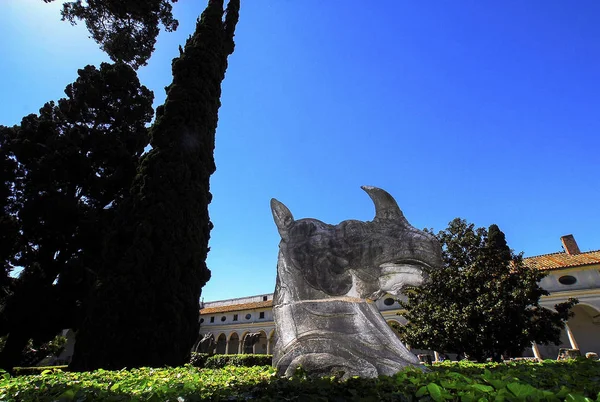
column 221, row 344
column 585, row 327
column 242, row 348
column 260, row 347
column 254, row 342
column 395, row 326
column 234, row 344
column 271, row 342
column 248, row 342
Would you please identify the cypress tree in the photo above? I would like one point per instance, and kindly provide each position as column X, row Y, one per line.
column 144, row 309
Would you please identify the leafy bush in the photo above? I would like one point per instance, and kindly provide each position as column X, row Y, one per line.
column 575, row 380
column 220, row 361
column 202, row 360
column 37, row 370
column 199, row 359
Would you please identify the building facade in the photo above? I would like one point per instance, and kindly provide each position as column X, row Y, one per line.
column 245, row 325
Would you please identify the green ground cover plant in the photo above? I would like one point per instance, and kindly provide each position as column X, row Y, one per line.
column 204, row 360
column 37, row 369
column 573, row 380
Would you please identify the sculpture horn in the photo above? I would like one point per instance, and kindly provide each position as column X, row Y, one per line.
column 386, row 207
column 282, row 216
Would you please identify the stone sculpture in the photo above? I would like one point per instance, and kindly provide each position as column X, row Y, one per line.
column 206, row 345
column 328, row 277
column 249, row 340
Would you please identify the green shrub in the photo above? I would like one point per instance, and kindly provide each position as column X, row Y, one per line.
column 199, row 359
column 572, row 380
column 205, row 360
column 220, row 361
column 37, row 370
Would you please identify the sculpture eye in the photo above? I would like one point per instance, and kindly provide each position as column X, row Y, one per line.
column 354, row 231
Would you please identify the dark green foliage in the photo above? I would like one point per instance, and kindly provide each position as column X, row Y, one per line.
column 484, row 302
column 548, row 381
column 199, row 359
column 37, row 370
column 144, row 310
column 75, row 162
column 125, row 30
column 204, row 360
column 34, row 355
column 9, row 227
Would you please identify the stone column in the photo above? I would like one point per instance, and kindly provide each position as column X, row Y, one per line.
column 572, row 340
column 227, row 346
column 436, row 356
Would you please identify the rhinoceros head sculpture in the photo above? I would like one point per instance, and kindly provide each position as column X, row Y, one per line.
column 327, row 279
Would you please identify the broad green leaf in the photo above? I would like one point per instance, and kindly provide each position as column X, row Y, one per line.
column 577, row 398
column 482, row 388
column 435, row 391
column 520, row 390
column 421, row 391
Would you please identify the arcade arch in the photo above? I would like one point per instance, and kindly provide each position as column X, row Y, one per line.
column 221, row 344
column 584, row 328
column 233, row 345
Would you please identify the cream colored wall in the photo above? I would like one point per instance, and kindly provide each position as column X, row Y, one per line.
column 585, row 326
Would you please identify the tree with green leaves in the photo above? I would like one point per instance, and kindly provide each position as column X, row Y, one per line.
column 144, row 309
column 125, row 30
column 484, row 302
column 69, row 168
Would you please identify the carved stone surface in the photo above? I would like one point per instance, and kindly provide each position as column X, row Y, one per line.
column 207, row 344
column 249, row 340
column 328, row 277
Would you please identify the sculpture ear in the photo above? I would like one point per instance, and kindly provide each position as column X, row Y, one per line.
column 282, row 216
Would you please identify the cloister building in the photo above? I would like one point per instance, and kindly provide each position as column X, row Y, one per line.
column 571, row 273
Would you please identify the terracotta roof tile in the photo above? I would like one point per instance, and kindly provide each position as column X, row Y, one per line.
column 236, row 307
column 548, row 262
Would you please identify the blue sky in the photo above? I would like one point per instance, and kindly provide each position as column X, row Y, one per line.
column 489, row 111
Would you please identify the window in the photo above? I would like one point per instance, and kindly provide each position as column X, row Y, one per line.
column 201, row 320
column 261, row 315
column 235, row 317
column 223, row 318
column 212, row 319
column 567, row 280
column 248, row 316
column 264, row 298
column 389, row 301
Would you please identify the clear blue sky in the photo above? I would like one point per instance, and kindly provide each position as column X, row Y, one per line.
column 489, row 111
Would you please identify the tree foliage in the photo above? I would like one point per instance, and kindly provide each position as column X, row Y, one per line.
column 69, row 167
column 144, row 310
column 9, row 228
column 483, row 302
column 125, row 30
